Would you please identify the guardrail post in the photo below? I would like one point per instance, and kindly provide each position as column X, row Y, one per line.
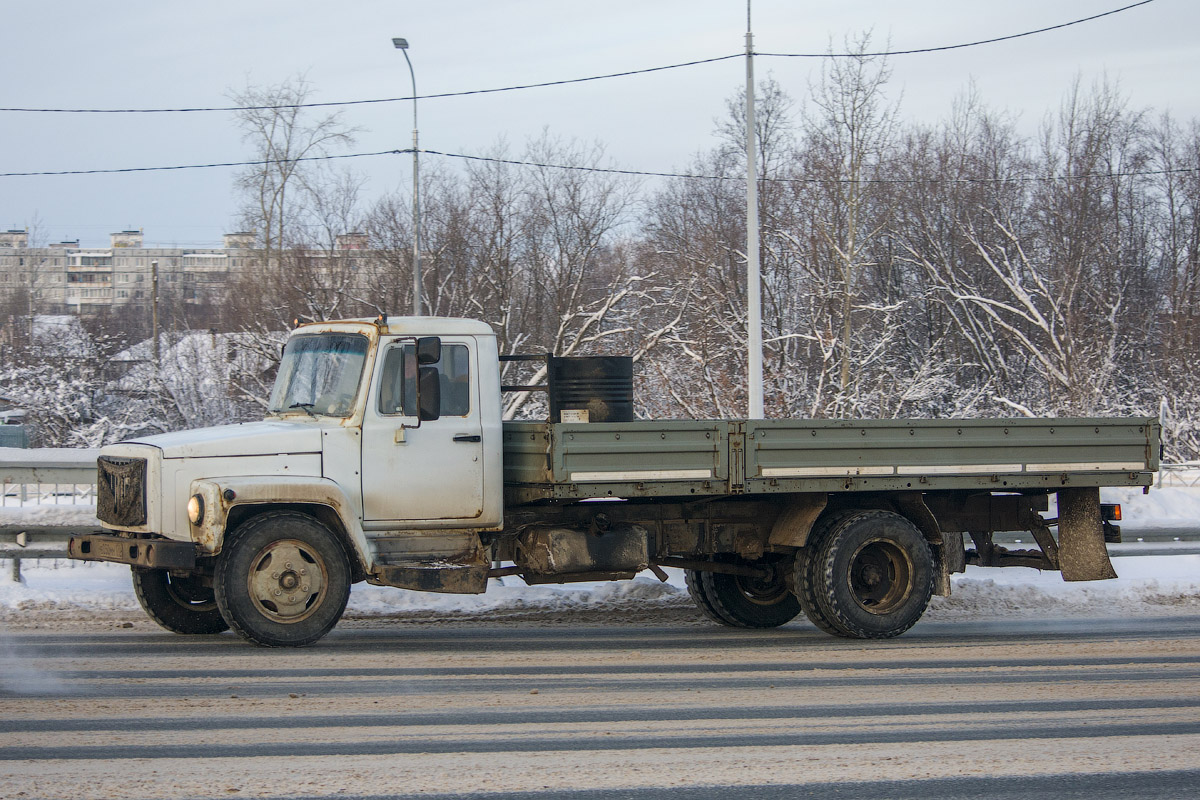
column 16, row 571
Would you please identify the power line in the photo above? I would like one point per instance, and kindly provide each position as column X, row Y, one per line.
column 605, row 170
column 602, row 170
column 958, row 46
column 261, row 163
column 649, row 174
column 567, row 81
column 570, row 167
column 369, row 102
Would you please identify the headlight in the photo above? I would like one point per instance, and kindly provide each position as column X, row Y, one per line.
column 195, row 509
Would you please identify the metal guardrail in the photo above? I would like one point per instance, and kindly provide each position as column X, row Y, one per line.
column 42, row 477
column 47, row 465
column 1186, row 475
column 31, row 542
column 37, row 474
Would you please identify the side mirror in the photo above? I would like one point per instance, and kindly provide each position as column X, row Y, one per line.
column 429, row 350
column 429, row 395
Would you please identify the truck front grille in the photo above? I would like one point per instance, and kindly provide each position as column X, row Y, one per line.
column 121, row 490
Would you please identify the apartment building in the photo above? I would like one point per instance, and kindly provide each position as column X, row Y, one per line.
column 65, row 278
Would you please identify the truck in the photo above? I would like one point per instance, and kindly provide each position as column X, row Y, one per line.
column 383, row 457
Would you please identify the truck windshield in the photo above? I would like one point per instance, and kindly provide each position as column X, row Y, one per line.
column 320, row 374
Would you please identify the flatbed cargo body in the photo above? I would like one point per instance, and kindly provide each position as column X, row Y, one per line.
column 706, row 458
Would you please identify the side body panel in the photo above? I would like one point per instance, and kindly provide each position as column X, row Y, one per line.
column 689, row 459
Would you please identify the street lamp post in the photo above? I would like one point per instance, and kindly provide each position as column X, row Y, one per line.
column 402, row 46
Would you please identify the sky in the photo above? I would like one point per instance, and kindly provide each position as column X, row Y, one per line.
column 150, row 54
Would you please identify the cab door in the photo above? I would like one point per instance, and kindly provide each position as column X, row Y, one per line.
column 427, row 472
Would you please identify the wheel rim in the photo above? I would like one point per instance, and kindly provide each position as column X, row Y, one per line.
column 880, row 576
column 190, row 594
column 763, row 591
column 287, row 581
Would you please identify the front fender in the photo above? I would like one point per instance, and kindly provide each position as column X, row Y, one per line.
column 222, row 495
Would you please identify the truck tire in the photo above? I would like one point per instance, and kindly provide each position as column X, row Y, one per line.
column 282, row 580
column 804, row 579
column 179, row 604
column 743, row 602
column 866, row 575
column 699, row 596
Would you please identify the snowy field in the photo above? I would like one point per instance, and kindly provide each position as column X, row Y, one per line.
column 1160, row 584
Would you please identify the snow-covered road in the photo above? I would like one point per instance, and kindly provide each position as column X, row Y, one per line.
column 392, row 707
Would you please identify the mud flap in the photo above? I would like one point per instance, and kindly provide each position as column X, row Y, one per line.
column 1081, row 551
column 949, row 553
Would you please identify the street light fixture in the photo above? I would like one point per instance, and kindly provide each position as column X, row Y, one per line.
column 402, row 46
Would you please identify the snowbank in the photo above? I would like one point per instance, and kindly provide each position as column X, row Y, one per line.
column 66, row 515
column 1168, row 507
column 1149, row 585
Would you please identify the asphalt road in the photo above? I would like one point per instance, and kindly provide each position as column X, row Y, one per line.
column 596, row 709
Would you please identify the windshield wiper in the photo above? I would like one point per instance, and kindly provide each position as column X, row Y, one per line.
column 305, row 407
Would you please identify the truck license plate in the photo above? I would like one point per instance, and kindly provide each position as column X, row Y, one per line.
column 115, row 550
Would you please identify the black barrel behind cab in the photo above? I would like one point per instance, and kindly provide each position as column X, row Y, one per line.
column 600, row 385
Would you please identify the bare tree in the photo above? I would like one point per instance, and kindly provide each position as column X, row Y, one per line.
column 294, row 207
column 848, row 137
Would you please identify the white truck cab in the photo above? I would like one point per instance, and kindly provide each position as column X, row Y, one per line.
column 344, row 443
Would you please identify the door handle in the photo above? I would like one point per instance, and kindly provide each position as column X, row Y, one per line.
column 468, row 437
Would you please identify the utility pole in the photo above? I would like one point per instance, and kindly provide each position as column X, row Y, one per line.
column 154, row 308
column 753, row 269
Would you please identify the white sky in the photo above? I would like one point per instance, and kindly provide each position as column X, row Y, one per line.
column 144, row 54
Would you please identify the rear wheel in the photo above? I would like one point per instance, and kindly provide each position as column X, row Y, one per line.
column 741, row 601
column 179, row 604
column 283, row 580
column 699, row 595
column 866, row 575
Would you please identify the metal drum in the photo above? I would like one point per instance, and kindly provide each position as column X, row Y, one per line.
column 601, row 386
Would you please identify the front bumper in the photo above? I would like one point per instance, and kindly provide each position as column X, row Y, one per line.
column 152, row 553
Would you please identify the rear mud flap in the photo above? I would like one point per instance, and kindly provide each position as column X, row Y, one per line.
column 1081, row 552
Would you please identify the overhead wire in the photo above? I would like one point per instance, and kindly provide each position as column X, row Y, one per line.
column 259, row 163
column 740, row 178
column 614, row 171
column 958, row 46
column 611, row 170
column 329, row 104
column 567, row 81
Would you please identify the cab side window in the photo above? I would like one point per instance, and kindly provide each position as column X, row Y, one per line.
column 398, row 392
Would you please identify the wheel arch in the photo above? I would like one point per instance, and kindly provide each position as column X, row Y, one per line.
column 324, row 514
column 231, row 502
column 808, row 510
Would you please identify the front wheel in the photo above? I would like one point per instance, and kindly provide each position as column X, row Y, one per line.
column 283, row 580
column 866, row 575
column 179, row 604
